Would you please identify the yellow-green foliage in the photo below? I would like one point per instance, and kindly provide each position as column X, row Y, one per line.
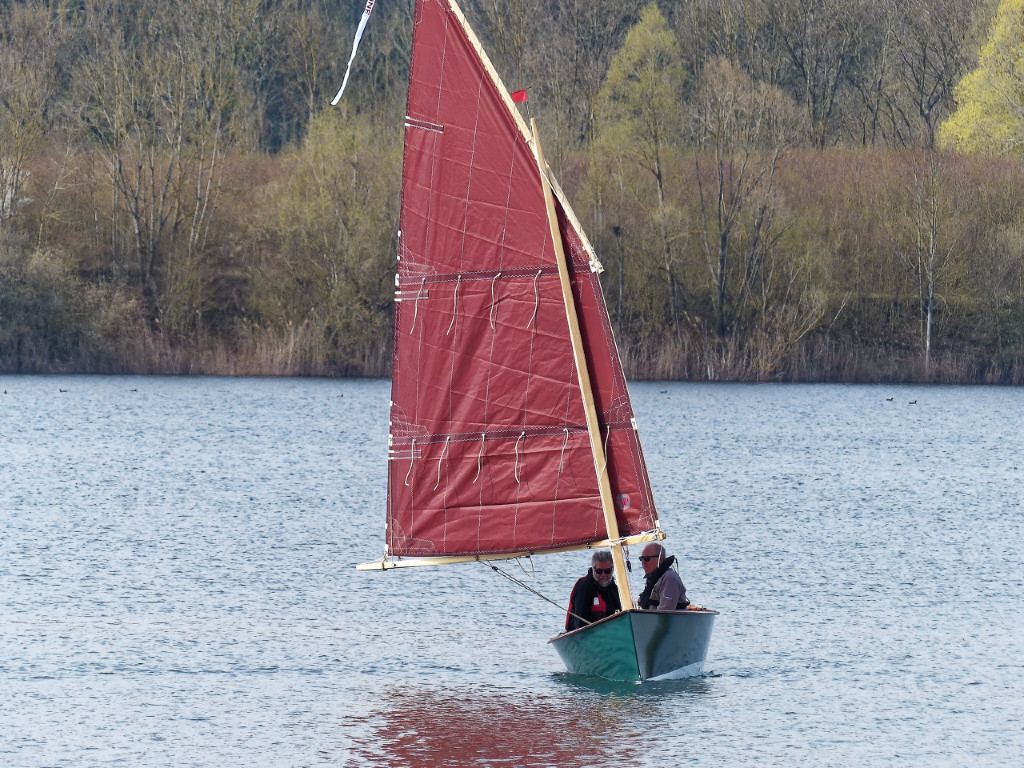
column 331, row 225
column 638, row 106
column 990, row 100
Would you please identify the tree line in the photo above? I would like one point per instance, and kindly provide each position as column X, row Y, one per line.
column 778, row 189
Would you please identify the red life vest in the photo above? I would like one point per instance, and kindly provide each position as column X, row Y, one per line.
column 597, row 609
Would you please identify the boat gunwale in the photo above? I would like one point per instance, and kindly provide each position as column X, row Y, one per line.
column 617, row 614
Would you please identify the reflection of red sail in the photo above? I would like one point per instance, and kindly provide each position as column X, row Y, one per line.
column 489, row 445
column 429, row 728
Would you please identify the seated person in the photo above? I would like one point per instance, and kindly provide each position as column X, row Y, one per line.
column 664, row 590
column 595, row 595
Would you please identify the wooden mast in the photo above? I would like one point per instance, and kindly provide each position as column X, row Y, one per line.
column 579, row 356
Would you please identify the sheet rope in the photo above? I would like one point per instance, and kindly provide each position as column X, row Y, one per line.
column 528, row 588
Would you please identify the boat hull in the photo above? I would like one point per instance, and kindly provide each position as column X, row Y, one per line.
column 639, row 645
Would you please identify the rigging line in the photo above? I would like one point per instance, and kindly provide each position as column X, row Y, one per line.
column 532, row 573
column 516, row 470
column 562, row 454
column 455, row 306
column 440, row 459
column 416, row 305
column 480, row 457
column 528, row 588
column 494, row 302
column 412, row 459
column 536, row 297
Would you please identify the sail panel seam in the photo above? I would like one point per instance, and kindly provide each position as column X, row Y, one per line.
column 482, row 275
column 426, row 438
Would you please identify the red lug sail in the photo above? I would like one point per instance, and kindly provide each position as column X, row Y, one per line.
column 489, row 448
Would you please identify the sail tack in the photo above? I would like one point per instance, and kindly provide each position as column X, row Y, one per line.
column 489, row 451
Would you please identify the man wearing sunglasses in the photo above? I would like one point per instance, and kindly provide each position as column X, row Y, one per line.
column 595, row 595
column 664, row 590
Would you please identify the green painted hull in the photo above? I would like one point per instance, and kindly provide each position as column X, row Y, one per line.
column 639, row 645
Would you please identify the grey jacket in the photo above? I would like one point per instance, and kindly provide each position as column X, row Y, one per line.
column 668, row 594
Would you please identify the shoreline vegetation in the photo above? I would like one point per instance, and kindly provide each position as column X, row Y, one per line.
column 771, row 201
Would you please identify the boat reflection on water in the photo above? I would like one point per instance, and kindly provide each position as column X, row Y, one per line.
column 454, row 727
column 581, row 722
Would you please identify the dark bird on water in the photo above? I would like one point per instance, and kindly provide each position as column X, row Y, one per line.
column 912, row 402
column 888, row 399
column 61, row 390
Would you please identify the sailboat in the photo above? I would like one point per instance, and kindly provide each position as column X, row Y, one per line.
column 511, row 429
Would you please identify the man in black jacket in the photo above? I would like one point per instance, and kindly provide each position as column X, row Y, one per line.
column 664, row 590
column 595, row 596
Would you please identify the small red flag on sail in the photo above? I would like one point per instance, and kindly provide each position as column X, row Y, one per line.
column 518, row 97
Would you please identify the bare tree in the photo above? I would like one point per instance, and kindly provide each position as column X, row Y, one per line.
column 741, row 130
column 310, row 36
column 134, row 106
column 511, row 29
column 928, row 232
column 737, row 30
column 560, row 51
column 162, row 95
column 932, row 49
column 871, row 76
column 821, row 39
column 30, row 43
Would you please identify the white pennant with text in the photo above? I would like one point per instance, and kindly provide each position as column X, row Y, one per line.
column 355, row 45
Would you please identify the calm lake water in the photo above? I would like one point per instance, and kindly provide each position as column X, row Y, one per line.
column 177, row 586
